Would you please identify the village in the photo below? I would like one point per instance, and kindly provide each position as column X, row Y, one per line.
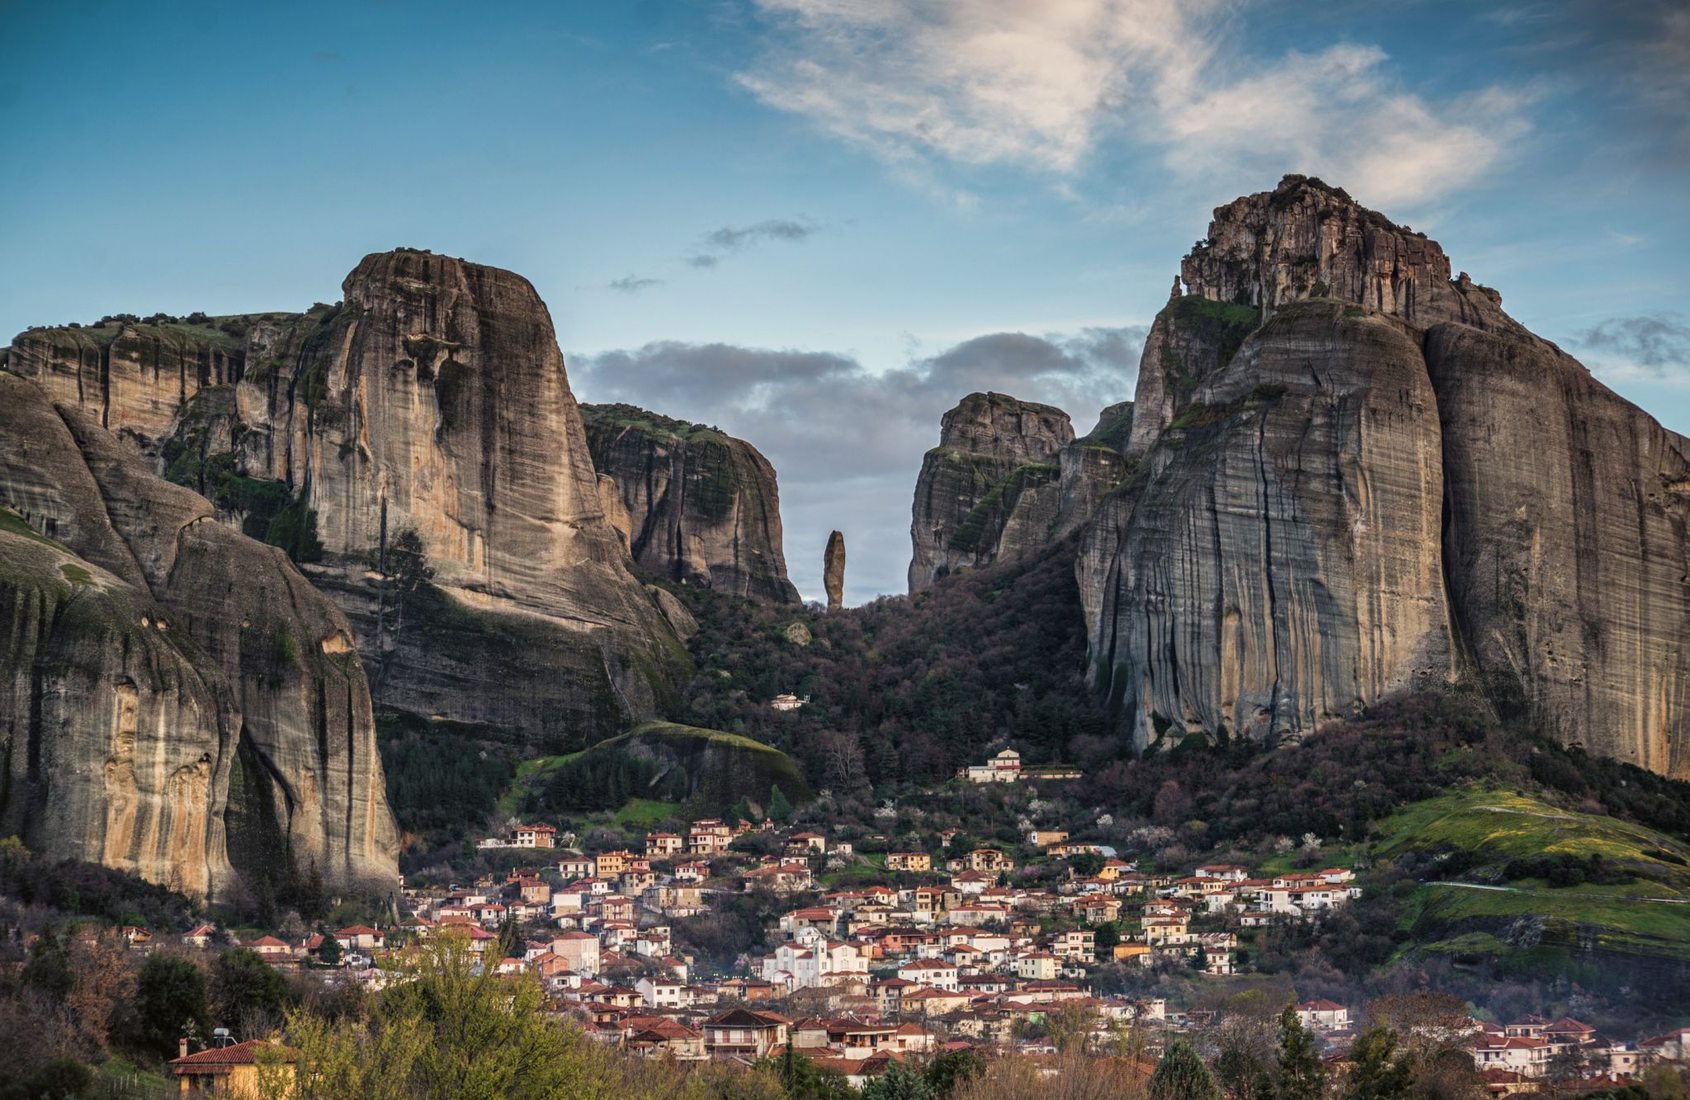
column 948, row 952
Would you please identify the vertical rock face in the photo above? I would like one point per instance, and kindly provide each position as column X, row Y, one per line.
column 1566, row 546
column 433, row 398
column 1348, row 474
column 1281, row 566
column 703, row 508
column 177, row 700
column 989, row 491
column 833, row 571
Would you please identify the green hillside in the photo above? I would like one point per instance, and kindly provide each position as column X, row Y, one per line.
column 1505, row 875
column 705, row 770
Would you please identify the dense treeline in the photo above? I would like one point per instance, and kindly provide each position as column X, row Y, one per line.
column 440, row 782
column 904, row 689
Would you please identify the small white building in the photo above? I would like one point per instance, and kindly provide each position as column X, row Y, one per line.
column 1005, row 767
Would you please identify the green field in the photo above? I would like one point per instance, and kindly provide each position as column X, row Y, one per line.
column 1483, row 911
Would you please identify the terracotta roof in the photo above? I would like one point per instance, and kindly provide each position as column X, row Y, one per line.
column 218, row 1059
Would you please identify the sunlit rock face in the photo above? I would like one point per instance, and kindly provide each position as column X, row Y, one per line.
column 176, row 699
column 432, row 398
column 1349, row 474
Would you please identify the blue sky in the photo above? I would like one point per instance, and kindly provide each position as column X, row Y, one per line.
column 818, row 223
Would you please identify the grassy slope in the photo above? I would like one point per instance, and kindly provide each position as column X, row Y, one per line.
column 532, row 775
column 1649, row 915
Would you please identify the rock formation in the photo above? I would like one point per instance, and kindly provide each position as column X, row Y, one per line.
column 989, row 491
column 176, row 700
column 702, row 507
column 1349, row 474
column 1009, row 479
column 433, row 398
column 833, row 571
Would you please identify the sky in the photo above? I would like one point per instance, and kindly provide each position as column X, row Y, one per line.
column 818, row 224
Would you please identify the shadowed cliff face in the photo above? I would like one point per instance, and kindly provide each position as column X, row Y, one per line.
column 1009, row 479
column 694, row 505
column 1351, row 474
column 989, row 491
column 434, row 399
column 177, row 700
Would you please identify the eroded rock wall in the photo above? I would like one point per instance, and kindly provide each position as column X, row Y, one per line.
column 180, row 702
column 432, row 399
column 1350, row 474
column 702, row 507
column 990, row 490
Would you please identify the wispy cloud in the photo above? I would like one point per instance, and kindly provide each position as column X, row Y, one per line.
column 1040, row 84
column 721, row 243
column 1646, row 348
column 846, row 442
column 633, row 284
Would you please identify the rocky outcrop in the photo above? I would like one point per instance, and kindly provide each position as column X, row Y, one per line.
column 1092, row 467
column 176, row 700
column 433, row 399
column 1008, row 480
column 989, row 491
column 703, row 507
column 1281, row 566
column 1566, row 546
column 833, row 571
column 1348, row 474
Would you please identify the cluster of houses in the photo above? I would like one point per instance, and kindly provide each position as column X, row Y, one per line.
column 944, row 952
column 1517, row 1057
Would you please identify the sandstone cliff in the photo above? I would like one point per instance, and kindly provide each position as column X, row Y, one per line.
column 1349, row 474
column 702, row 507
column 990, row 490
column 176, row 700
column 433, row 398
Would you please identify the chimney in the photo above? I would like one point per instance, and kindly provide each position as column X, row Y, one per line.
column 182, row 1047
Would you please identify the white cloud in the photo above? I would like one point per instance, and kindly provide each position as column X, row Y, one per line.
column 1041, row 84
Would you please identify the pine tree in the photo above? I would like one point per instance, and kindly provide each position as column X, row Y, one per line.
column 1181, row 1075
column 779, row 808
column 1378, row 1073
column 328, row 952
column 1301, row 1074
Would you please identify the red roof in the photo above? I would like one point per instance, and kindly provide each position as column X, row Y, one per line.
column 219, row 1059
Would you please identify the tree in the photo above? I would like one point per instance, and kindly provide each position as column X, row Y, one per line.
column 245, row 987
column 804, row 1080
column 105, row 985
column 452, row 1028
column 1107, row 936
column 1086, row 864
column 59, row 1079
column 1181, row 1075
column 328, row 952
column 1377, row 1071
column 170, row 1001
column 1200, row 960
column 779, row 808
column 1302, row 1076
column 48, row 969
column 948, row 1071
column 899, row 1082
